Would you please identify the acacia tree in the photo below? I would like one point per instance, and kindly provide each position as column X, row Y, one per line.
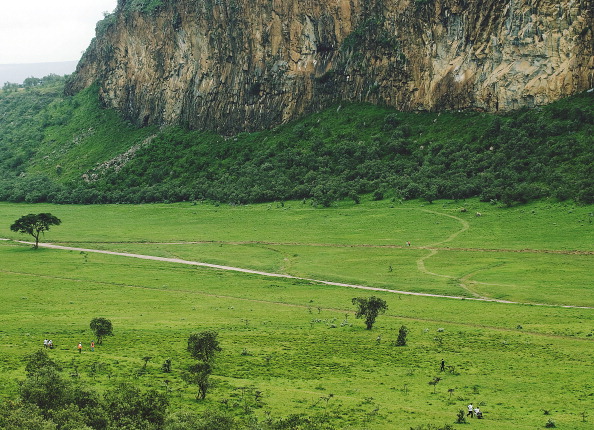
column 369, row 308
column 202, row 346
column 35, row 224
column 101, row 327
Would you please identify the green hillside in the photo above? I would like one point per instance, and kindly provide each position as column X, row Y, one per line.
column 70, row 150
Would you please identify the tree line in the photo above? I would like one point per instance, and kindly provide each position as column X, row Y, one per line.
column 31, row 81
column 340, row 153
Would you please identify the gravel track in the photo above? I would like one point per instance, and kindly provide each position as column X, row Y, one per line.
column 280, row 275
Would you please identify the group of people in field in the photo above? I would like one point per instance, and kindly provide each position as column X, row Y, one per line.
column 49, row 344
column 474, row 412
column 80, row 347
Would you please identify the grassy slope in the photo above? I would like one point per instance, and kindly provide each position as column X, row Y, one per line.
column 339, row 152
column 277, row 334
column 79, row 135
column 22, row 124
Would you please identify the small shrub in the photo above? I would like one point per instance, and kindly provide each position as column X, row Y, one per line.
column 146, row 6
column 378, row 195
column 550, row 424
column 402, row 333
column 391, row 121
column 433, row 427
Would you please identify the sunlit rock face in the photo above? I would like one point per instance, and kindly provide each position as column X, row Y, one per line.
column 234, row 65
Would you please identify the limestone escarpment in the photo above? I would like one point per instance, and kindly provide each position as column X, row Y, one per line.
column 232, row 65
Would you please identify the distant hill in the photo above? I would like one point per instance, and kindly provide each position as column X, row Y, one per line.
column 17, row 73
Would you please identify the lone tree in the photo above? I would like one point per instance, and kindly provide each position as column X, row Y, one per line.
column 199, row 374
column 101, row 327
column 35, row 225
column 369, row 308
column 202, row 346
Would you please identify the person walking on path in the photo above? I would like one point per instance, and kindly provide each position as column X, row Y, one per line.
column 442, row 367
column 93, row 345
column 79, row 347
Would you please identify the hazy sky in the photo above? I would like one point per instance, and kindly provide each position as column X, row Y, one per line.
column 39, row 31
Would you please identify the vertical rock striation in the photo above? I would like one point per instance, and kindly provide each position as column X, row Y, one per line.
column 233, row 65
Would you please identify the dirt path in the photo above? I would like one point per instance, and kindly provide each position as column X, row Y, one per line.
column 465, row 226
column 341, row 245
column 463, row 281
column 280, row 275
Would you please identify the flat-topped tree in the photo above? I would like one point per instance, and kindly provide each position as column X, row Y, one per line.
column 35, row 225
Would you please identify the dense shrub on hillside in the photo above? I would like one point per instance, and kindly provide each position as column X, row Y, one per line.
column 22, row 124
column 510, row 159
column 334, row 154
column 48, row 400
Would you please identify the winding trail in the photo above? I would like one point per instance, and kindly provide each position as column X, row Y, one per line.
column 465, row 226
column 317, row 281
column 463, row 281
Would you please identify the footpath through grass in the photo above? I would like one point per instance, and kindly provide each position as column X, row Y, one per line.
column 297, row 342
column 538, row 253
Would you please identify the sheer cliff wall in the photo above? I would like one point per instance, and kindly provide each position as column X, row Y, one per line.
column 233, row 65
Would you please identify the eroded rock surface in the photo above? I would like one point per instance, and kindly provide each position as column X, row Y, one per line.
column 233, row 65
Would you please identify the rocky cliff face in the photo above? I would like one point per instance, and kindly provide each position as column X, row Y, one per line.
column 232, row 65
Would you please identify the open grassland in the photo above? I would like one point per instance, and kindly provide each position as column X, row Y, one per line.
column 297, row 341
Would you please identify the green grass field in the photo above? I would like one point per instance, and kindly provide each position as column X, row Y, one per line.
column 297, row 341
